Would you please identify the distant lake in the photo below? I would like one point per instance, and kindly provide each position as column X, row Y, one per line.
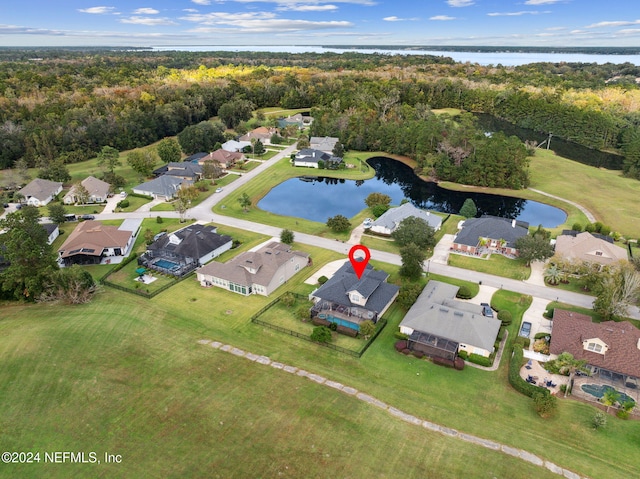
column 318, row 198
column 482, row 58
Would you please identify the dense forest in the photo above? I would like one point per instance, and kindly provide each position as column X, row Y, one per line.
column 63, row 106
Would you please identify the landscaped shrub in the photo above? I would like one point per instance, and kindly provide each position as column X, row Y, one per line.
column 505, row 316
column 519, row 384
column 333, row 326
column 321, row 334
column 463, row 354
column 288, row 299
column 418, row 354
column 541, row 346
column 480, row 360
column 322, row 279
column 464, row 292
column 399, row 335
column 400, row 345
column 303, row 313
column 548, row 313
column 346, row 331
column 541, row 335
column 545, row 404
column 458, row 364
column 406, row 352
column 159, row 219
column 501, row 333
column 443, row 362
column 524, row 342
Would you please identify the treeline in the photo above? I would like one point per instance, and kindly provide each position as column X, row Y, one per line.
column 65, row 106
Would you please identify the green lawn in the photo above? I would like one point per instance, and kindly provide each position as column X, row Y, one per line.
column 497, row 265
column 144, row 380
column 126, row 277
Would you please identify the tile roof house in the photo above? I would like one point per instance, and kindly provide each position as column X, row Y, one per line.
column 573, row 245
column 440, row 326
column 323, row 143
column 310, row 158
column 226, row 158
column 611, row 349
column 391, row 219
column 164, row 187
column 182, row 251
column 348, row 301
column 92, row 242
column 261, row 133
column 40, row 192
column 298, row 120
column 255, row 272
column 491, row 233
column 97, row 190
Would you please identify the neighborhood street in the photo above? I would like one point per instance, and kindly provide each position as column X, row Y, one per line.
column 203, row 212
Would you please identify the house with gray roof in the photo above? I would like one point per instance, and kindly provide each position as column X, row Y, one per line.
column 298, row 120
column 233, row 145
column 391, row 219
column 97, row 192
column 255, row 272
column 323, row 143
column 311, row 158
column 347, row 300
column 164, row 187
column 53, row 231
column 490, row 234
column 40, row 192
column 182, row 251
column 440, row 326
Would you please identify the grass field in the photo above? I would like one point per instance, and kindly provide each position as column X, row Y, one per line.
column 144, row 381
column 497, row 265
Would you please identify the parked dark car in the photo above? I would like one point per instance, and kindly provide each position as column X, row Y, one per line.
column 70, row 217
column 18, row 206
column 87, row 217
column 486, row 310
column 525, row 329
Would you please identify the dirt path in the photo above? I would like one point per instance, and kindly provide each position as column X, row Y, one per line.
column 587, row 213
column 403, row 416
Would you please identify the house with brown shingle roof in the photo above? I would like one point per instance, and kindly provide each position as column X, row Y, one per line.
column 611, row 349
column 40, row 192
column 261, row 133
column 254, row 272
column 575, row 246
column 91, row 242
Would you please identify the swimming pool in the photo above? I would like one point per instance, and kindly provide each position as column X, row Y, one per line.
column 166, row 264
column 598, row 390
column 339, row 321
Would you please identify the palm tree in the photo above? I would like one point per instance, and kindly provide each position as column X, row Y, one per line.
column 610, row 397
column 552, row 274
column 567, row 364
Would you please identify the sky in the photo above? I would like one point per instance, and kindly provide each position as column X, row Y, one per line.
column 320, row 22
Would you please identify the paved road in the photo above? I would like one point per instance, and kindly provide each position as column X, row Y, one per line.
column 203, row 212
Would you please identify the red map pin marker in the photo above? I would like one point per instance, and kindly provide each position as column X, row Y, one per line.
column 359, row 264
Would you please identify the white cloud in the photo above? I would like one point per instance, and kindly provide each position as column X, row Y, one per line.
column 97, row 10
column 516, row 14
column 267, row 25
column 308, row 8
column 393, row 18
column 190, row 10
column 613, row 24
column 288, row 3
column 146, row 11
column 460, row 3
column 226, row 18
column 150, row 21
column 202, row 2
column 442, row 18
column 541, row 2
column 554, row 29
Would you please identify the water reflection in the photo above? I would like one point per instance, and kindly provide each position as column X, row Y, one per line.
column 318, row 198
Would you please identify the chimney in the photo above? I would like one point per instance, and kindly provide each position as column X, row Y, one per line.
column 513, row 223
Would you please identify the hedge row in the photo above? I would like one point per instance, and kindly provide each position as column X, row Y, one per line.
column 480, row 360
column 519, row 384
column 347, row 331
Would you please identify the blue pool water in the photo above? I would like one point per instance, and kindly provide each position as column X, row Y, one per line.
column 163, row 263
column 599, row 390
column 339, row 321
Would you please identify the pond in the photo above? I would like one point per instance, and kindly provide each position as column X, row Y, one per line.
column 318, row 198
column 564, row 148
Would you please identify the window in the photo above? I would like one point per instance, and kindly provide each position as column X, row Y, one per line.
column 595, row 347
column 598, row 253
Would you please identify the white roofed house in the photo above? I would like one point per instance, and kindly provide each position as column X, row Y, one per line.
column 323, row 143
column 164, row 187
column 40, row 192
column 388, row 222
